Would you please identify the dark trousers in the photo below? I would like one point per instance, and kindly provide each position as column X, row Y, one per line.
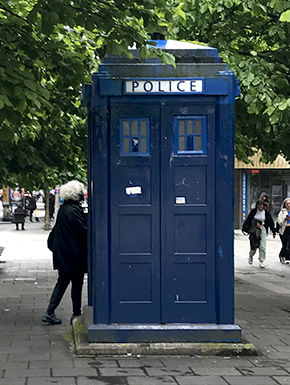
column 30, row 215
column 285, row 238
column 62, row 283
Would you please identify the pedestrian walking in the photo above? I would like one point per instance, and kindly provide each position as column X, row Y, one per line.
column 31, row 205
column 266, row 199
column 51, row 206
column 256, row 225
column 19, row 217
column 283, row 223
column 68, row 243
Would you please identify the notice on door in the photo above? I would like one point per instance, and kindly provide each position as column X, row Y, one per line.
column 133, row 191
column 162, row 86
column 180, row 200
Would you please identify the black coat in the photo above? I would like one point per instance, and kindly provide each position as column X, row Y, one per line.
column 268, row 221
column 31, row 204
column 69, row 239
column 18, row 215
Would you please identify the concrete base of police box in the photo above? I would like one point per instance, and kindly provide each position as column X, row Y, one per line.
column 83, row 348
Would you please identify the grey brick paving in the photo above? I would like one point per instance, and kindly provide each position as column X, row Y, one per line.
column 19, row 356
column 124, row 372
column 208, row 380
column 26, row 373
column 151, row 381
column 174, row 371
column 33, row 353
column 207, row 362
column 222, row 371
column 263, row 371
column 12, row 365
column 73, row 372
column 43, row 364
column 13, row 381
column 52, row 381
column 282, row 380
column 102, row 381
column 107, row 363
column 147, row 362
column 262, row 380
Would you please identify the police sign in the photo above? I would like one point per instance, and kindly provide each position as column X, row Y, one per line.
column 164, row 86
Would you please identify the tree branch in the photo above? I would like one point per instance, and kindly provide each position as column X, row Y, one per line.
column 12, row 13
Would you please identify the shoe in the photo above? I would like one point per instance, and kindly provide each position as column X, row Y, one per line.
column 51, row 319
column 250, row 260
column 262, row 266
column 287, row 262
column 282, row 259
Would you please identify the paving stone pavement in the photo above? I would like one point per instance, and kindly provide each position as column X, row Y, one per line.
column 33, row 353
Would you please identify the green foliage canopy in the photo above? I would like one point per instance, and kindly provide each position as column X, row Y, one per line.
column 49, row 48
column 252, row 36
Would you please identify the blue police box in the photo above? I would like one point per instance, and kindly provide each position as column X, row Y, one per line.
column 161, row 190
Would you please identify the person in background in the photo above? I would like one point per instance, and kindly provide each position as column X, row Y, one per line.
column 266, row 199
column 19, row 217
column 68, row 243
column 51, row 206
column 283, row 223
column 256, row 225
column 31, row 205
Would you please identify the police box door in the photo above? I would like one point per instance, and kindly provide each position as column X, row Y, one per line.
column 162, row 213
column 188, row 212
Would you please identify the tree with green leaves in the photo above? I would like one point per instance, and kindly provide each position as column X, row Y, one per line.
column 253, row 37
column 49, row 49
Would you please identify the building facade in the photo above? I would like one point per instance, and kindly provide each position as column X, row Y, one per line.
column 255, row 178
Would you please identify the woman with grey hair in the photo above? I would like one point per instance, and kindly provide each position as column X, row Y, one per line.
column 68, row 242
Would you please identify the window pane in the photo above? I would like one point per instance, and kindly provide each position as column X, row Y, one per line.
column 198, row 127
column 143, row 128
column 126, row 145
column 198, row 143
column 135, row 144
column 189, row 143
column 265, row 181
column 126, row 128
column 181, row 127
column 181, row 143
column 134, row 128
column 190, row 127
column 277, row 194
column 143, row 145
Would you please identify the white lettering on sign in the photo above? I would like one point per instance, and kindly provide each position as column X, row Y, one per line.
column 163, row 86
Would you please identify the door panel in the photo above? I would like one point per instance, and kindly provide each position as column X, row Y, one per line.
column 162, row 214
column 135, row 214
column 187, row 215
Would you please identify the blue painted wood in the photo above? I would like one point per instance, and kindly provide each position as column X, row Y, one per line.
column 212, row 86
column 163, row 254
column 188, row 261
column 225, row 213
column 135, row 222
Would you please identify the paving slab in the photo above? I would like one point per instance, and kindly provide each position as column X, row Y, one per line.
column 102, row 381
column 33, row 353
column 262, row 380
column 208, row 380
column 151, row 381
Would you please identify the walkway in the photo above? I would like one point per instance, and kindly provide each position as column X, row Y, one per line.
column 33, row 353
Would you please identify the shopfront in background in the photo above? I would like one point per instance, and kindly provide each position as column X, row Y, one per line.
column 253, row 179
